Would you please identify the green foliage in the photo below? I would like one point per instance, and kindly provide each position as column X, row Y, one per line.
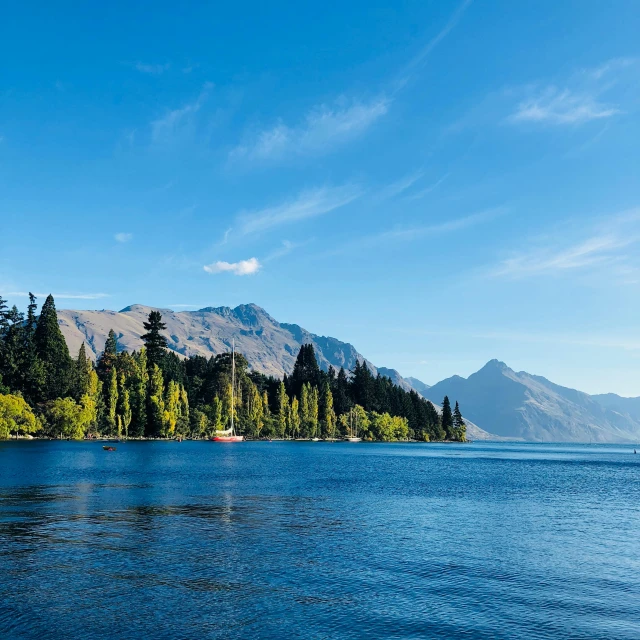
column 156, row 393
column 154, row 341
column 16, row 417
column 51, row 349
column 447, row 419
column 66, row 419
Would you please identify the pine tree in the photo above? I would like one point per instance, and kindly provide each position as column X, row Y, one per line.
column 107, row 359
column 305, row 370
column 52, row 350
column 154, row 341
column 82, row 371
column 447, row 419
column 459, row 426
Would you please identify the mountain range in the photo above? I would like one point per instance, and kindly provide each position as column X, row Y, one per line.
column 497, row 402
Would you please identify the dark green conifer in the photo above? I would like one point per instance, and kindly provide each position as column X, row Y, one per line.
column 154, row 341
column 447, row 419
column 52, row 350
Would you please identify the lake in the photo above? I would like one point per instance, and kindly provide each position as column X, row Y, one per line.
column 318, row 540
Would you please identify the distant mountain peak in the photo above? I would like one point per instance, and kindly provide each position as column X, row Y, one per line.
column 495, row 364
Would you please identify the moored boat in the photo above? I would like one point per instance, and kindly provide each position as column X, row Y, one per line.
column 229, row 435
column 106, row 448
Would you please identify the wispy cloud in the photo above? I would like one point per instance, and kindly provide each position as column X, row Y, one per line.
column 555, row 106
column 123, row 237
column 323, row 128
column 167, row 126
column 432, row 187
column 602, row 246
column 285, row 249
column 308, row 204
column 62, row 296
column 241, row 268
column 409, row 234
column 400, row 186
column 615, row 64
column 418, row 61
column 152, row 69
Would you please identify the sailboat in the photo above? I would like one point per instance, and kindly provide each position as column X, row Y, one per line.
column 229, row 435
column 353, row 435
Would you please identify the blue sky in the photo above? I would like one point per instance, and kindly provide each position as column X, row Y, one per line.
column 439, row 183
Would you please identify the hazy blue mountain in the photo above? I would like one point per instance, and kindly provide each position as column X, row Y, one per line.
column 520, row 405
column 418, row 385
column 628, row 406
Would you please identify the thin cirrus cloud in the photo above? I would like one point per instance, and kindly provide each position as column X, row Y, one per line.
column 308, row 204
column 323, row 128
column 241, row 268
column 123, row 237
column 605, row 248
column 562, row 107
column 152, row 69
column 169, row 125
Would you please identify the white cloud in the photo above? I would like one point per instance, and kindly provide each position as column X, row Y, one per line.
column 428, row 189
column 123, row 237
column 614, row 64
column 152, row 69
column 323, row 128
column 555, row 106
column 62, row 296
column 308, row 204
column 164, row 128
column 241, row 268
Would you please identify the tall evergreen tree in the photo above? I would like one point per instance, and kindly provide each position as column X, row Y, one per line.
column 52, row 350
column 108, row 357
column 459, row 426
column 305, row 370
column 447, row 419
column 154, row 341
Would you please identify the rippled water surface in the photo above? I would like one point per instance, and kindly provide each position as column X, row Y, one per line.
column 318, row 540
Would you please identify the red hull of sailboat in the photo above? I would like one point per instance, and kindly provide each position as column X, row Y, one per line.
column 227, row 438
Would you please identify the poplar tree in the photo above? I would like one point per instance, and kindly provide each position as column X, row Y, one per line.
column 313, row 411
column 283, row 410
column 52, row 350
column 155, row 411
column 327, row 413
column 111, row 401
column 294, row 417
column 124, row 405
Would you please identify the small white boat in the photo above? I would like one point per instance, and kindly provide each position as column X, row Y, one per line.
column 353, row 433
column 315, row 439
column 229, row 435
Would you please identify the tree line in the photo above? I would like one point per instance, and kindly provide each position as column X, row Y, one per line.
column 155, row 393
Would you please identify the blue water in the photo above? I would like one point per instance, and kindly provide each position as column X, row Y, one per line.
column 318, row 540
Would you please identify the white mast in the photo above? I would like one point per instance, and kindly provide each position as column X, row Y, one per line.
column 233, row 381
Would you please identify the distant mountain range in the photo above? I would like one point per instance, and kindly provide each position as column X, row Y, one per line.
column 496, row 401
column 523, row 406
